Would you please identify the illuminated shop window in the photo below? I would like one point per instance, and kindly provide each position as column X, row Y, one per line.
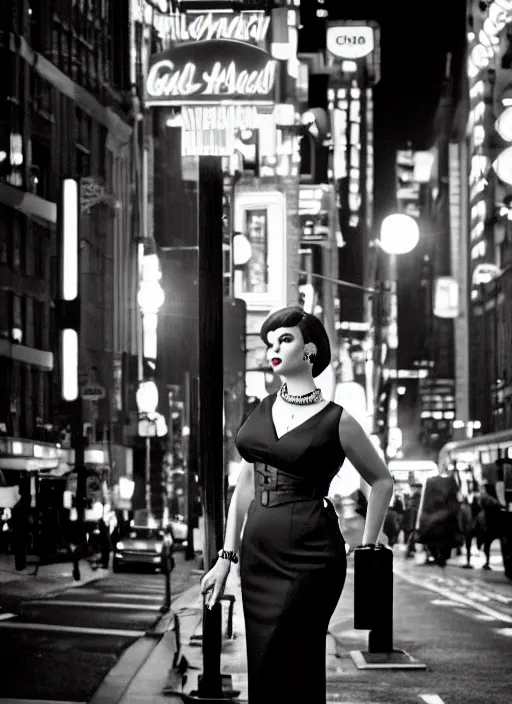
column 256, row 231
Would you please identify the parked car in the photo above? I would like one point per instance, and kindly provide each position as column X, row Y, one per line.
column 142, row 546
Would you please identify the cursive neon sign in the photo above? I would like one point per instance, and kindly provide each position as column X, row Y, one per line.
column 245, row 27
column 165, row 81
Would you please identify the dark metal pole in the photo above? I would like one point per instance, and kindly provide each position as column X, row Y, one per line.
column 190, row 454
column 211, row 401
column 81, row 487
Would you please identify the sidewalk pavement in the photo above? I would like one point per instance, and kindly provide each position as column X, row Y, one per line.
column 36, row 582
column 157, row 674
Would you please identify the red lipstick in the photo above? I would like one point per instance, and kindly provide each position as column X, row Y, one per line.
column 275, row 361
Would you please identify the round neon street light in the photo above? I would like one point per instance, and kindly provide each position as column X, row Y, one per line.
column 147, row 397
column 399, row 234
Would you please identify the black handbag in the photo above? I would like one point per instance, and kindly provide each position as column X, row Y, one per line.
column 373, row 587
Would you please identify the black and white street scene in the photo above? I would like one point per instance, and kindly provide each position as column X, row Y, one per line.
column 255, row 367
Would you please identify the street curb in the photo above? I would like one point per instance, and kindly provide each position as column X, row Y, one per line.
column 120, row 677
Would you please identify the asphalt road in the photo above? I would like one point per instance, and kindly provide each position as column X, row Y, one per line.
column 61, row 648
column 459, row 626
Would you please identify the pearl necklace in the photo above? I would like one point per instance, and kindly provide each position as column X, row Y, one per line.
column 304, row 400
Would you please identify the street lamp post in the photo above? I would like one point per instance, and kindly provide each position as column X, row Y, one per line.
column 147, row 401
column 150, row 298
column 399, row 234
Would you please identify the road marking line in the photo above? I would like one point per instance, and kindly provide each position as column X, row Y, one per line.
column 36, row 701
column 483, row 617
column 94, row 604
column 503, row 599
column 477, row 596
column 448, row 594
column 431, row 699
column 22, row 626
column 4, row 617
column 504, row 632
column 446, row 602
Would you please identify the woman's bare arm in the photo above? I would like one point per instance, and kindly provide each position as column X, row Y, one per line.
column 363, row 456
column 239, row 504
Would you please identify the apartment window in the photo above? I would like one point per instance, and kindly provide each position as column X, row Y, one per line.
column 17, row 319
column 83, row 147
column 18, row 244
column 4, row 315
column 39, row 325
column 4, row 243
column 27, row 413
column 41, row 243
column 37, row 418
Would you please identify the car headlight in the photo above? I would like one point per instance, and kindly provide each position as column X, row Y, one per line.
column 120, row 546
column 158, row 547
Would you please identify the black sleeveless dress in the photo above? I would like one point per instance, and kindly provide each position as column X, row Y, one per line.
column 292, row 558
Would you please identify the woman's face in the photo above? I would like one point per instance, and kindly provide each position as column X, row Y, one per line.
column 286, row 350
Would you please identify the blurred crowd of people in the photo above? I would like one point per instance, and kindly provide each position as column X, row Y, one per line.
column 433, row 518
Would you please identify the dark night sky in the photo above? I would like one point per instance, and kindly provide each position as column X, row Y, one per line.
column 416, row 35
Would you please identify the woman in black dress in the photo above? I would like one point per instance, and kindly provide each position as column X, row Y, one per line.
column 293, row 558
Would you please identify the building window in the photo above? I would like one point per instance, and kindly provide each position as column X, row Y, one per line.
column 39, row 325
column 37, row 419
column 17, row 319
column 4, row 246
column 41, row 242
column 4, row 316
column 18, row 244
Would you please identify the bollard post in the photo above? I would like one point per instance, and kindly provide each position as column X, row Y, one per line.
column 167, row 568
column 373, row 610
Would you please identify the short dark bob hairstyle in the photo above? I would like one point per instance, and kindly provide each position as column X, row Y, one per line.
column 311, row 328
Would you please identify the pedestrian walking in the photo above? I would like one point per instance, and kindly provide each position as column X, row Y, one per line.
column 393, row 521
column 438, row 527
column 491, row 519
column 410, row 519
column 293, row 556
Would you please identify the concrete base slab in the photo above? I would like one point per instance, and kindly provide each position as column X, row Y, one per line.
column 397, row 660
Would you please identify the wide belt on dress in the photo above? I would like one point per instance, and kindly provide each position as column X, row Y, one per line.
column 274, row 488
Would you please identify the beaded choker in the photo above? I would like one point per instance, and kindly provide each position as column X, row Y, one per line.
column 304, row 400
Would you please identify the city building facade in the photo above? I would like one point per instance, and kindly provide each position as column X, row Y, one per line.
column 66, row 114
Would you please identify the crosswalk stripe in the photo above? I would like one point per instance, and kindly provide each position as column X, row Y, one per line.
column 36, row 701
column 504, row 632
column 446, row 602
column 22, row 626
column 450, row 594
column 96, row 604
column 5, row 617
column 142, row 597
column 431, row 699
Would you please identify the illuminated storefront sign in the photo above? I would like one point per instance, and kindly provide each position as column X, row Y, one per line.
column 249, row 27
column 212, row 130
column 350, row 42
column 213, row 71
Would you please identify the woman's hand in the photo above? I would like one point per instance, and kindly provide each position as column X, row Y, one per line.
column 215, row 581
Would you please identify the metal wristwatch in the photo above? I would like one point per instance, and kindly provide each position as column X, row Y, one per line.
column 228, row 555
